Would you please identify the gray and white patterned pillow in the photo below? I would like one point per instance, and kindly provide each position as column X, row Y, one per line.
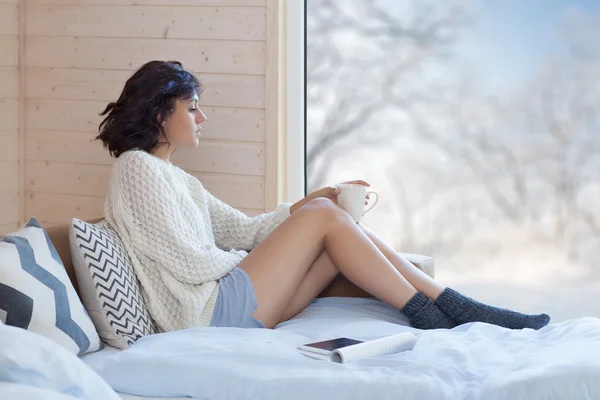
column 36, row 293
column 108, row 285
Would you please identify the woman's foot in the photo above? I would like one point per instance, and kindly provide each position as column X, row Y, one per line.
column 463, row 309
column 423, row 314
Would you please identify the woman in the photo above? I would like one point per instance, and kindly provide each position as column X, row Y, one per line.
column 190, row 250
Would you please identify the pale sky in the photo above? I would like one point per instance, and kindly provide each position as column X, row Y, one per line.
column 511, row 38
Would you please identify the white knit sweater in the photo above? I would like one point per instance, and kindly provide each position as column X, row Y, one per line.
column 180, row 238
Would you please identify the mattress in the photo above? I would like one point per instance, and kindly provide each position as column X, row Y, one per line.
column 95, row 360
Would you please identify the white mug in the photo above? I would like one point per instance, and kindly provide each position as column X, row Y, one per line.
column 352, row 199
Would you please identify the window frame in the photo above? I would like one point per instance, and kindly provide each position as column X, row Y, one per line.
column 295, row 100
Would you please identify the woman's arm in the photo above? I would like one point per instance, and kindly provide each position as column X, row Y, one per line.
column 234, row 229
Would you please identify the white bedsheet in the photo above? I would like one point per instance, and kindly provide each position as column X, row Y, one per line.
column 94, row 360
column 473, row 361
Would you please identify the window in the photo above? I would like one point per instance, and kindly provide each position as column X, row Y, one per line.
column 478, row 125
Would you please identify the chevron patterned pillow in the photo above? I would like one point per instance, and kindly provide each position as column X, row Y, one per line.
column 36, row 293
column 108, row 285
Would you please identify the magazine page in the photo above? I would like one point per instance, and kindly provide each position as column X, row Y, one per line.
column 375, row 348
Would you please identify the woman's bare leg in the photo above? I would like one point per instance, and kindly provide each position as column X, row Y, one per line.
column 279, row 263
column 320, row 274
column 419, row 279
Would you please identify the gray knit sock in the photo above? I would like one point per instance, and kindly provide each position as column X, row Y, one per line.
column 463, row 309
column 423, row 314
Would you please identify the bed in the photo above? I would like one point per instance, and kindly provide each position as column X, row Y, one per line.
column 473, row 361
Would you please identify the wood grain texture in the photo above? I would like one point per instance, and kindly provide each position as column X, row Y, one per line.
column 79, row 54
column 166, row 3
column 8, row 227
column 9, row 176
column 225, row 90
column 9, row 195
column 210, row 156
column 274, row 167
column 9, row 145
column 216, row 56
column 22, row 127
column 9, row 82
column 235, row 190
column 79, row 179
column 220, row 23
column 10, row 207
column 91, row 180
column 9, row 51
column 9, row 114
column 9, row 19
column 223, row 123
column 57, row 208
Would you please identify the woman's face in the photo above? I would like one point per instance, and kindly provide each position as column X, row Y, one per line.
column 182, row 127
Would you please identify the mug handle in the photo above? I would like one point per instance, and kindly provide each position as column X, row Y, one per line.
column 372, row 205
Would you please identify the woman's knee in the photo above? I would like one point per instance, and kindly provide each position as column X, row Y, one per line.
column 324, row 207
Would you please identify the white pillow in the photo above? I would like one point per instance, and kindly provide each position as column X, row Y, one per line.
column 36, row 293
column 32, row 366
column 108, row 285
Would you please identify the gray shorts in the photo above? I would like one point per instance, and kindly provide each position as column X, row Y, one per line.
column 236, row 302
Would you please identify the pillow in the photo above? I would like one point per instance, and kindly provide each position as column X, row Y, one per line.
column 33, row 367
column 108, row 285
column 36, row 293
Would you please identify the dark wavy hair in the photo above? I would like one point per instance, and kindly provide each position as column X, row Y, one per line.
column 135, row 120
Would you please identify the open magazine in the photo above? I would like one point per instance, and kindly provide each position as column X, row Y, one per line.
column 344, row 350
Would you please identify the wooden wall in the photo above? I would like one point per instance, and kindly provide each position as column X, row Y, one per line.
column 77, row 56
column 9, row 116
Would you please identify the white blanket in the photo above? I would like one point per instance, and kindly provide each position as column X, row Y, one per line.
column 473, row 361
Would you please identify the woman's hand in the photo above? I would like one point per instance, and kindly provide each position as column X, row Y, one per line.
column 329, row 192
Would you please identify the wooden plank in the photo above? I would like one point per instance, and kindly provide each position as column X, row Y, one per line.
column 235, row 190
column 9, row 192
column 169, row 3
column 9, row 176
column 81, row 179
column 9, row 145
column 8, row 228
column 9, row 51
column 217, row 56
column 210, row 156
column 9, row 82
column 9, row 19
column 56, row 208
column 63, row 146
column 9, row 114
column 223, row 123
column 91, row 180
column 223, row 157
column 88, row 84
column 221, row 23
column 274, row 107
column 9, row 209
column 220, row 3
column 21, row 110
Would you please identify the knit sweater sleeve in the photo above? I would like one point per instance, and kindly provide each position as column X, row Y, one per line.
column 234, row 229
column 159, row 230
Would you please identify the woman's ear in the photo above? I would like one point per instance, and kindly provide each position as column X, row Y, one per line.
column 163, row 121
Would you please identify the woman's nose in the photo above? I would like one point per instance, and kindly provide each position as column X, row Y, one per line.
column 200, row 117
